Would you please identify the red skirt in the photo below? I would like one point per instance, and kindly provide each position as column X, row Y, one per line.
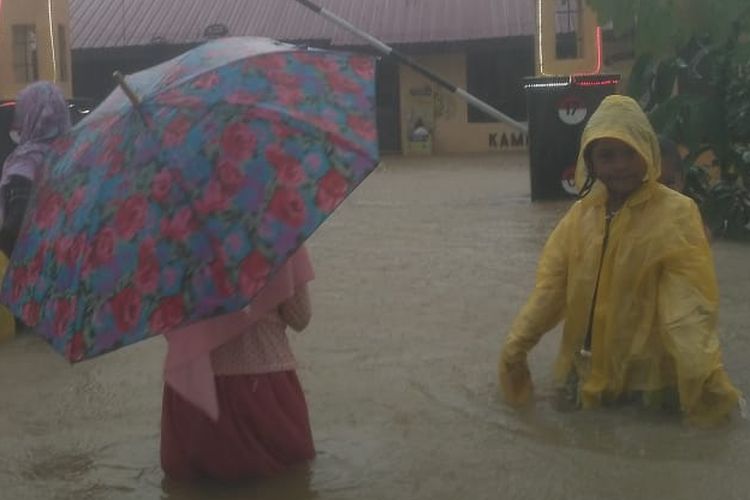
column 263, row 429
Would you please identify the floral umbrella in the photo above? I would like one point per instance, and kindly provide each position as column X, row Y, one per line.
column 179, row 196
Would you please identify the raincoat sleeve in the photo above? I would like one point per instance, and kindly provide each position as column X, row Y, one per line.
column 688, row 308
column 543, row 311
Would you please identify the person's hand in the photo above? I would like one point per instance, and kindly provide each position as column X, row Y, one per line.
column 515, row 379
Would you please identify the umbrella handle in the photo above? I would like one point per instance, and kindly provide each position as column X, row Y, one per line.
column 130, row 93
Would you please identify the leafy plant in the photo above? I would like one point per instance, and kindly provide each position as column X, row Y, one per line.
column 692, row 76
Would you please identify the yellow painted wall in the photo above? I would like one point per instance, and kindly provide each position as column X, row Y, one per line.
column 35, row 12
column 452, row 131
column 547, row 62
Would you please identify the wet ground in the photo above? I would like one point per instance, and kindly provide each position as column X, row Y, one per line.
column 419, row 275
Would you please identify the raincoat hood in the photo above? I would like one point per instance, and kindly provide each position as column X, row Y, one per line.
column 620, row 117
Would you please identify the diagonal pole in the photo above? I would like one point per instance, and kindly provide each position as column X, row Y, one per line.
column 408, row 61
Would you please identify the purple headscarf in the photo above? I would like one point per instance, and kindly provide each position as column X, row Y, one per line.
column 41, row 116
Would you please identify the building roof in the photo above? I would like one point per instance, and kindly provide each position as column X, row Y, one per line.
column 120, row 23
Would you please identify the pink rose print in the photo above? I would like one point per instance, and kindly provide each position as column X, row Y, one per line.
column 76, row 249
column 238, row 142
column 126, row 308
column 103, row 248
column 289, row 96
column 332, row 190
column 340, row 83
column 49, row 206
column 281, row 131
column 114, row 141
column 230, row 176
column 254, row 271
column 364, row 68
column 168, row 315
column 147, row 274
column 62, row 249
column 74, row 202
column 176, row 132
column 64, row 312
column 35, row 267
column 131, row 217
column 161, row 185
column 180, row 226
column 362, row 127
column 287, row 167
column 220, row 278
column 113, row 160
column 283, row 79
column 287, row 206
column 325, row 64
column 31, row 313
column 214, row 199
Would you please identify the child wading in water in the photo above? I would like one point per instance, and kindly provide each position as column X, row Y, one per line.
column 233, row 408
column 630, row 272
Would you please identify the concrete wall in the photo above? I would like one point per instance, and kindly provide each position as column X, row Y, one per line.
column 452, row 132
column 37, row 12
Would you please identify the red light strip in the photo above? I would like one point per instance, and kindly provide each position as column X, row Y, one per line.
column 599, row 57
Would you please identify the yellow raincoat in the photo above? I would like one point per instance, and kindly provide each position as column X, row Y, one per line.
column 654, row 325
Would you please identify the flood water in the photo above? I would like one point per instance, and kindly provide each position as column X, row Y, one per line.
column 419, row 275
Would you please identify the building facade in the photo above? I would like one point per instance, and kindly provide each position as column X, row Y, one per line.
column 34, row 45
column 484, row 46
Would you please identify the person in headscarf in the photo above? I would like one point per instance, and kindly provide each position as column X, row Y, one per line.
column 233, row 408
column 41, row 116
column 630, row 272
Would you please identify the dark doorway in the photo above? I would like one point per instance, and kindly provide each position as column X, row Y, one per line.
column 388, row 106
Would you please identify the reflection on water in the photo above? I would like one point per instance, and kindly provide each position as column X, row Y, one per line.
column 419, row 276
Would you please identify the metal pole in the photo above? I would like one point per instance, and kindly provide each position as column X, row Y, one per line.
column 403, row 58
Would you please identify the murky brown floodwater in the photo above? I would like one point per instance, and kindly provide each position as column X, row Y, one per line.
column 419, row 275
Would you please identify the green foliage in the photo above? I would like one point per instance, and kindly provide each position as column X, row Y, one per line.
column 692, row 75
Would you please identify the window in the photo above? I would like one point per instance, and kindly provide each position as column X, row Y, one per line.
column 567, row 29
column 62, row 54
column 25, row 61
column 495, row 75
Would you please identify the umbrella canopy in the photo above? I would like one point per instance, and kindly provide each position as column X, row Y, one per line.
column 179, row 206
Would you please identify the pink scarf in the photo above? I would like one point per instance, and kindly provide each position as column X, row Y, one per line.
column 188, row 368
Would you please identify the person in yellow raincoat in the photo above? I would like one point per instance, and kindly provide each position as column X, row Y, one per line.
column 630, row 272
